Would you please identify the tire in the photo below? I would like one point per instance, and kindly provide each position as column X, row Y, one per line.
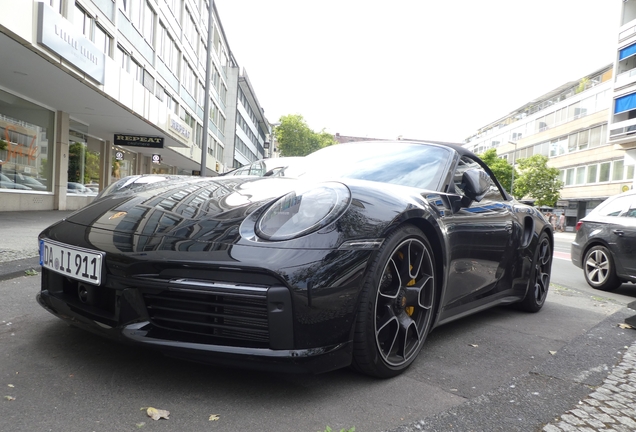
column 539, row 281
column 599, row 269
column 396, row 306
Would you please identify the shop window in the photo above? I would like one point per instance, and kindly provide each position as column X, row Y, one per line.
column 123, row 163
column 83, row 162
column 26, row 150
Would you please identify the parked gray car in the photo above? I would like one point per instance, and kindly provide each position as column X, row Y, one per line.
column 605, row 243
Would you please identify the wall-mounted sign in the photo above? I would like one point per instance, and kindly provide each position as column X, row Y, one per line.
column 180, row 128
column 196, row 172
column 61, row 37
column 138, row 141
column 156, row 159
column 119, row 155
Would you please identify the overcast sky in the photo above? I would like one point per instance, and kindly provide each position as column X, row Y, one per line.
column 420, row 69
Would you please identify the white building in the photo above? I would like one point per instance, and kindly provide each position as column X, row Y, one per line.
column 94, row 90
column 622, row 118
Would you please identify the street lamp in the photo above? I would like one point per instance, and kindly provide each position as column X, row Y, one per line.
column 514, row 154
column 206, row 104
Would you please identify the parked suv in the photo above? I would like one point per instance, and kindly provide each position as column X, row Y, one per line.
column 605, row 243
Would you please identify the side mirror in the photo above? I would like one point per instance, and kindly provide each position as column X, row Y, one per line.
column 475, row 184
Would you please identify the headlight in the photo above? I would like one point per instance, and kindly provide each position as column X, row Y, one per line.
column 301, row 212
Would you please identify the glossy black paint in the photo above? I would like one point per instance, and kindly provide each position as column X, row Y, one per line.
column 189, row 240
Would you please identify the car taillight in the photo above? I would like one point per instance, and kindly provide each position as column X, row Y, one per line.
column 579, row 224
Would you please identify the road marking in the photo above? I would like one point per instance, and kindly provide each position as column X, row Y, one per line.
column 562, row 255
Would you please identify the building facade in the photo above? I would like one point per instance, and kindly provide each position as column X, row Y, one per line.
column 94, row 90
column 569, row 125
column 622, row 117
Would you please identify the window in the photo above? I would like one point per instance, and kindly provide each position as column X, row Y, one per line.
column 592, row 170
column 569, row 177
column 572, row 142
column 189, row 79
column 101, row 40
column 583, row 139
column 57, row 5
column 580, row 175
column 136, row 70
column 122, row 58
column 604, row 172
column 167, row 49
column 148, row 81
column 141, row 16
column 617, row 170
column 82, row 21
column 615, row 207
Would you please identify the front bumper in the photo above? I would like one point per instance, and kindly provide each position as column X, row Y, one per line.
column 141, row 331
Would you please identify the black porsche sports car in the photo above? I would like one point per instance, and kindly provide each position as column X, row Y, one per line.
column 350, row 259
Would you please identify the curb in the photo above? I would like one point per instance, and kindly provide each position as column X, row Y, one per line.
column 14, row 269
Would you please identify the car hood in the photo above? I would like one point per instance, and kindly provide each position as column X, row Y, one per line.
column 181, row 205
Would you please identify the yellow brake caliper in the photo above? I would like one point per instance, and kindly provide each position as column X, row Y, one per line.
column 408, row 309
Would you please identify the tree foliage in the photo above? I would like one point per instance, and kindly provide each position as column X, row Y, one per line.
column 538, row 181
column 295, row 138
column 500, row 167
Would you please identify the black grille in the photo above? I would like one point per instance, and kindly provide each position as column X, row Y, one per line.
column 236, row 316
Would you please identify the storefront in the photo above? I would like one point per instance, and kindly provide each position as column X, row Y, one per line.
column 26, row 146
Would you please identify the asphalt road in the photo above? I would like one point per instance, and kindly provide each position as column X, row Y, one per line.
column 66, row 379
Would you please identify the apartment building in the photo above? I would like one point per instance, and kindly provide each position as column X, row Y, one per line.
column 569, row 125
column 94, row 90
column 622, row 117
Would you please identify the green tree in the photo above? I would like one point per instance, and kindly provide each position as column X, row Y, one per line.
column 538, row 181
column 295, row 138
column 500, row 167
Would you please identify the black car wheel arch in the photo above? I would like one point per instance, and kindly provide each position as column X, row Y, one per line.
column 397, row 304
column 599, row 268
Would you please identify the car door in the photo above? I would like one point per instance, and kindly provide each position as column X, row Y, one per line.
column 624, row 231
column 479, row 239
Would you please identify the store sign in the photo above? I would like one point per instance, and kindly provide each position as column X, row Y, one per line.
column 156, row 159
column 60, row 36
column 119, row 155
column 180, row 128
column 138, row 141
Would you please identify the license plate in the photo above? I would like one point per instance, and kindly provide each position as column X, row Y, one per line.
column 77, row 263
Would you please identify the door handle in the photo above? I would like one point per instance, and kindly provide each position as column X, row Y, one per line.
column 618, row 232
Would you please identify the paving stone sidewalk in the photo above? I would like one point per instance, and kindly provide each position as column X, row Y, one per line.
column 609, row 408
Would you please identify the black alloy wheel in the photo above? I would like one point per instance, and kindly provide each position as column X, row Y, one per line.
column 539, row 281
column 599, row 270
column 397, row 305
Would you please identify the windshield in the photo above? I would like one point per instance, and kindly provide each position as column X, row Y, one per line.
column 416, row 165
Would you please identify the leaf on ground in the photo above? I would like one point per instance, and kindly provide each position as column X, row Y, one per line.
column 140, row 425
column 31, row 272
column 214, row 417
column 157, row 414
column 625, row 326
column 9, row 398
column 10, row 385
column 553, row 352
column 474, row 345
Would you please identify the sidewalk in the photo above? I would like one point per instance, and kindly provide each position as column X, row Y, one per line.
column 19, row 239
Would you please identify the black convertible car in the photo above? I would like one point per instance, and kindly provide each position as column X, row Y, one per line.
column 350, row 259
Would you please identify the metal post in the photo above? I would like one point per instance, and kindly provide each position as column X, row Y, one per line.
column 514, row 154
column 206, row 104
